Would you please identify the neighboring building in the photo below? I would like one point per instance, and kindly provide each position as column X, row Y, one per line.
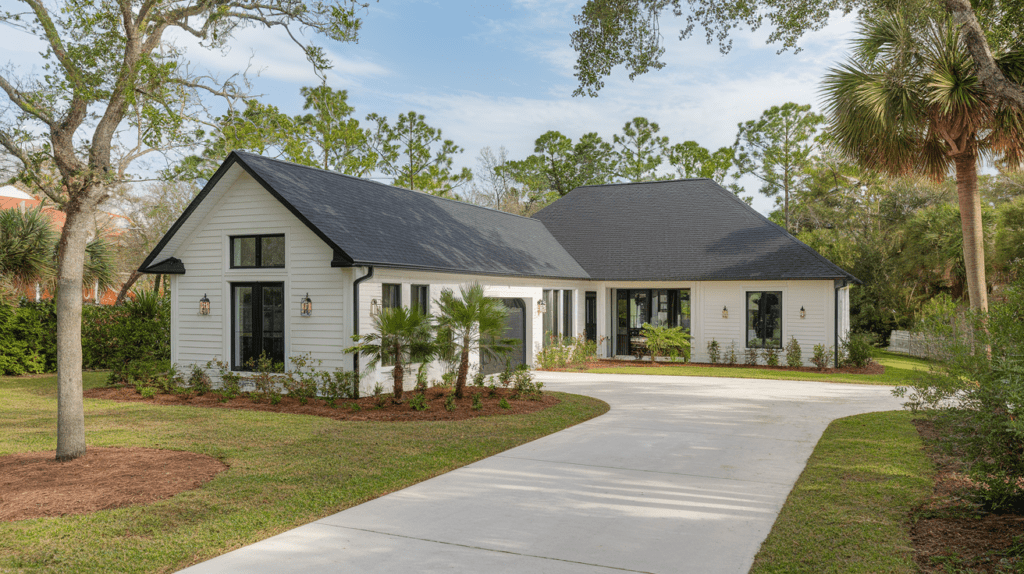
column 110, row 224
column 265, row 234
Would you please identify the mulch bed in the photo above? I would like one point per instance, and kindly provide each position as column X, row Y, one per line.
column 363, row 409
column 35, row 485
column 952, row 533
column 871, row 369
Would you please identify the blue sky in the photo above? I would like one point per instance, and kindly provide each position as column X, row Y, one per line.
column 500, row 74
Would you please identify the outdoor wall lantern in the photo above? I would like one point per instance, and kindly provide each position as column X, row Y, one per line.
column 374, row 308
column 204, row 305
column 803, row 313
column 725, row 312
column 306, row 306
column 542, row 307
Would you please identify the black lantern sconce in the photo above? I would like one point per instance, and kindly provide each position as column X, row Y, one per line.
column 374, row 308
column 542, row 307
column 306, row 306
column 204, row 305
column 803, row 313
column 725, row 312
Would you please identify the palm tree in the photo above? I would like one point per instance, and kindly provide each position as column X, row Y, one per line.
column 27, row 243
column 908, row 100
column 399, row 335
column 473, row 320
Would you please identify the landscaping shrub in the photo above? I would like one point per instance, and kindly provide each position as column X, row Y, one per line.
column 713, row 351
column 137, row 331
column 750, row 357
column 199, row 381
column 419, row 402
column 567, row 352
column 504, row 403
column 822, row 356
column 28, row 342
column 478, row 379
column 794, row 354
column 730, row 355
column 477, row 403
column 449, row 402
column 858, row 350
column 662, row 341
column 977, row 398
column 525, row 385
column 771, row 356
column 421, row 378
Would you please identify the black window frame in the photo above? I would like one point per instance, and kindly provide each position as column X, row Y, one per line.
column 259, row 251
column 420, row 295
column 567, row 312
column 747, row 317
column 257, row 287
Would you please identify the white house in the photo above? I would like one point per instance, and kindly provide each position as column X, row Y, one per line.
column 265, row 235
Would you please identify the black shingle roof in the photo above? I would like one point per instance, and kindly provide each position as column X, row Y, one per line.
column 369, row 223
column 677, row 230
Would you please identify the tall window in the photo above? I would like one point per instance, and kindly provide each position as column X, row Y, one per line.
column 551, row 316
column 391, row 295
column 764, row 319
column 251, row 251
column 421, row 298
column 257, row 324
column 567, row 327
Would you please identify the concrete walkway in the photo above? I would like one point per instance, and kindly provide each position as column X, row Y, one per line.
column 682, row 475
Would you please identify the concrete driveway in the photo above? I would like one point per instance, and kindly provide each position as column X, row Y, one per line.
column 682, row 475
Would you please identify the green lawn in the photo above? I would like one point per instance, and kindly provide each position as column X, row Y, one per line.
column 848, row 511
column 285, row 470
column 898, row 369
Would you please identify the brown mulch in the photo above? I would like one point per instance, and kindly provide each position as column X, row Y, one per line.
column 872, row 368
column 950, row 531
column 363, row 409
column 35, row 485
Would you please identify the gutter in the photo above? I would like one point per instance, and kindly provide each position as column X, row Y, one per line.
column 355, row 326
column 835, row 323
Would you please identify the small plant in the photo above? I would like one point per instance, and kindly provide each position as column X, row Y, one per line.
column 266, row 378
column 378, row 395
column 230, row 382
column 448, row 379
column 793, row 353
column 822, row 356
column 147, row 392
column 492, row 390
column 337, row 385
column 714, row 352
column 419, row 402
column 504, row 403
column 750, row 358
column 449, row 402
column 477, row 403
column 771, row 356
column 355, row 407
column 275, row 398
column 505, row 378
column 199, row 381
column 478, row 379
column 305, row 381
column 730, row 355
column 525, row 385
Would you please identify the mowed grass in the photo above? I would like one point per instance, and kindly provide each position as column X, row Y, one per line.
column 899, row 369
column 849, row 510
column 285, row 470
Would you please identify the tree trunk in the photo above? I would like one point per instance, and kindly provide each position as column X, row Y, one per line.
column 397, row 374
column 127, row 286
column 460, row 380
column 970, row 222
column 70, row 271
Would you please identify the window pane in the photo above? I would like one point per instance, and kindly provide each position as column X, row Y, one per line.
column 272, row 251
column 567, row 326
column 549, row 317
column 391, row 295
column 764, row 319
column 273, row 323
column 683, row 314
column 243, row 252
column 243, row 333
column 421, row 298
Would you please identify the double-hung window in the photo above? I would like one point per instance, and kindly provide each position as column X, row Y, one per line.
column 257, row 251
column 421, row 298
column 390, row 298
column 567, row 327
column 764, row 319
column 257, row 325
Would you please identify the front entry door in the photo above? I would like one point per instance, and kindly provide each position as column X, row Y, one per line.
column 515, row 328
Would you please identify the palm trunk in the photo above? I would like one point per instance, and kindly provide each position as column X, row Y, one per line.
column 127, row 286
column 460, row 380
column 397, row 374
column 970, row 221
column 70, row 272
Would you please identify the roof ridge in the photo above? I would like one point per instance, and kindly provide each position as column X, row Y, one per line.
column 641, row 182
column 364, row 180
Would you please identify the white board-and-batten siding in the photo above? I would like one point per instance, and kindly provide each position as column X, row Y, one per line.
column 244, row 207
